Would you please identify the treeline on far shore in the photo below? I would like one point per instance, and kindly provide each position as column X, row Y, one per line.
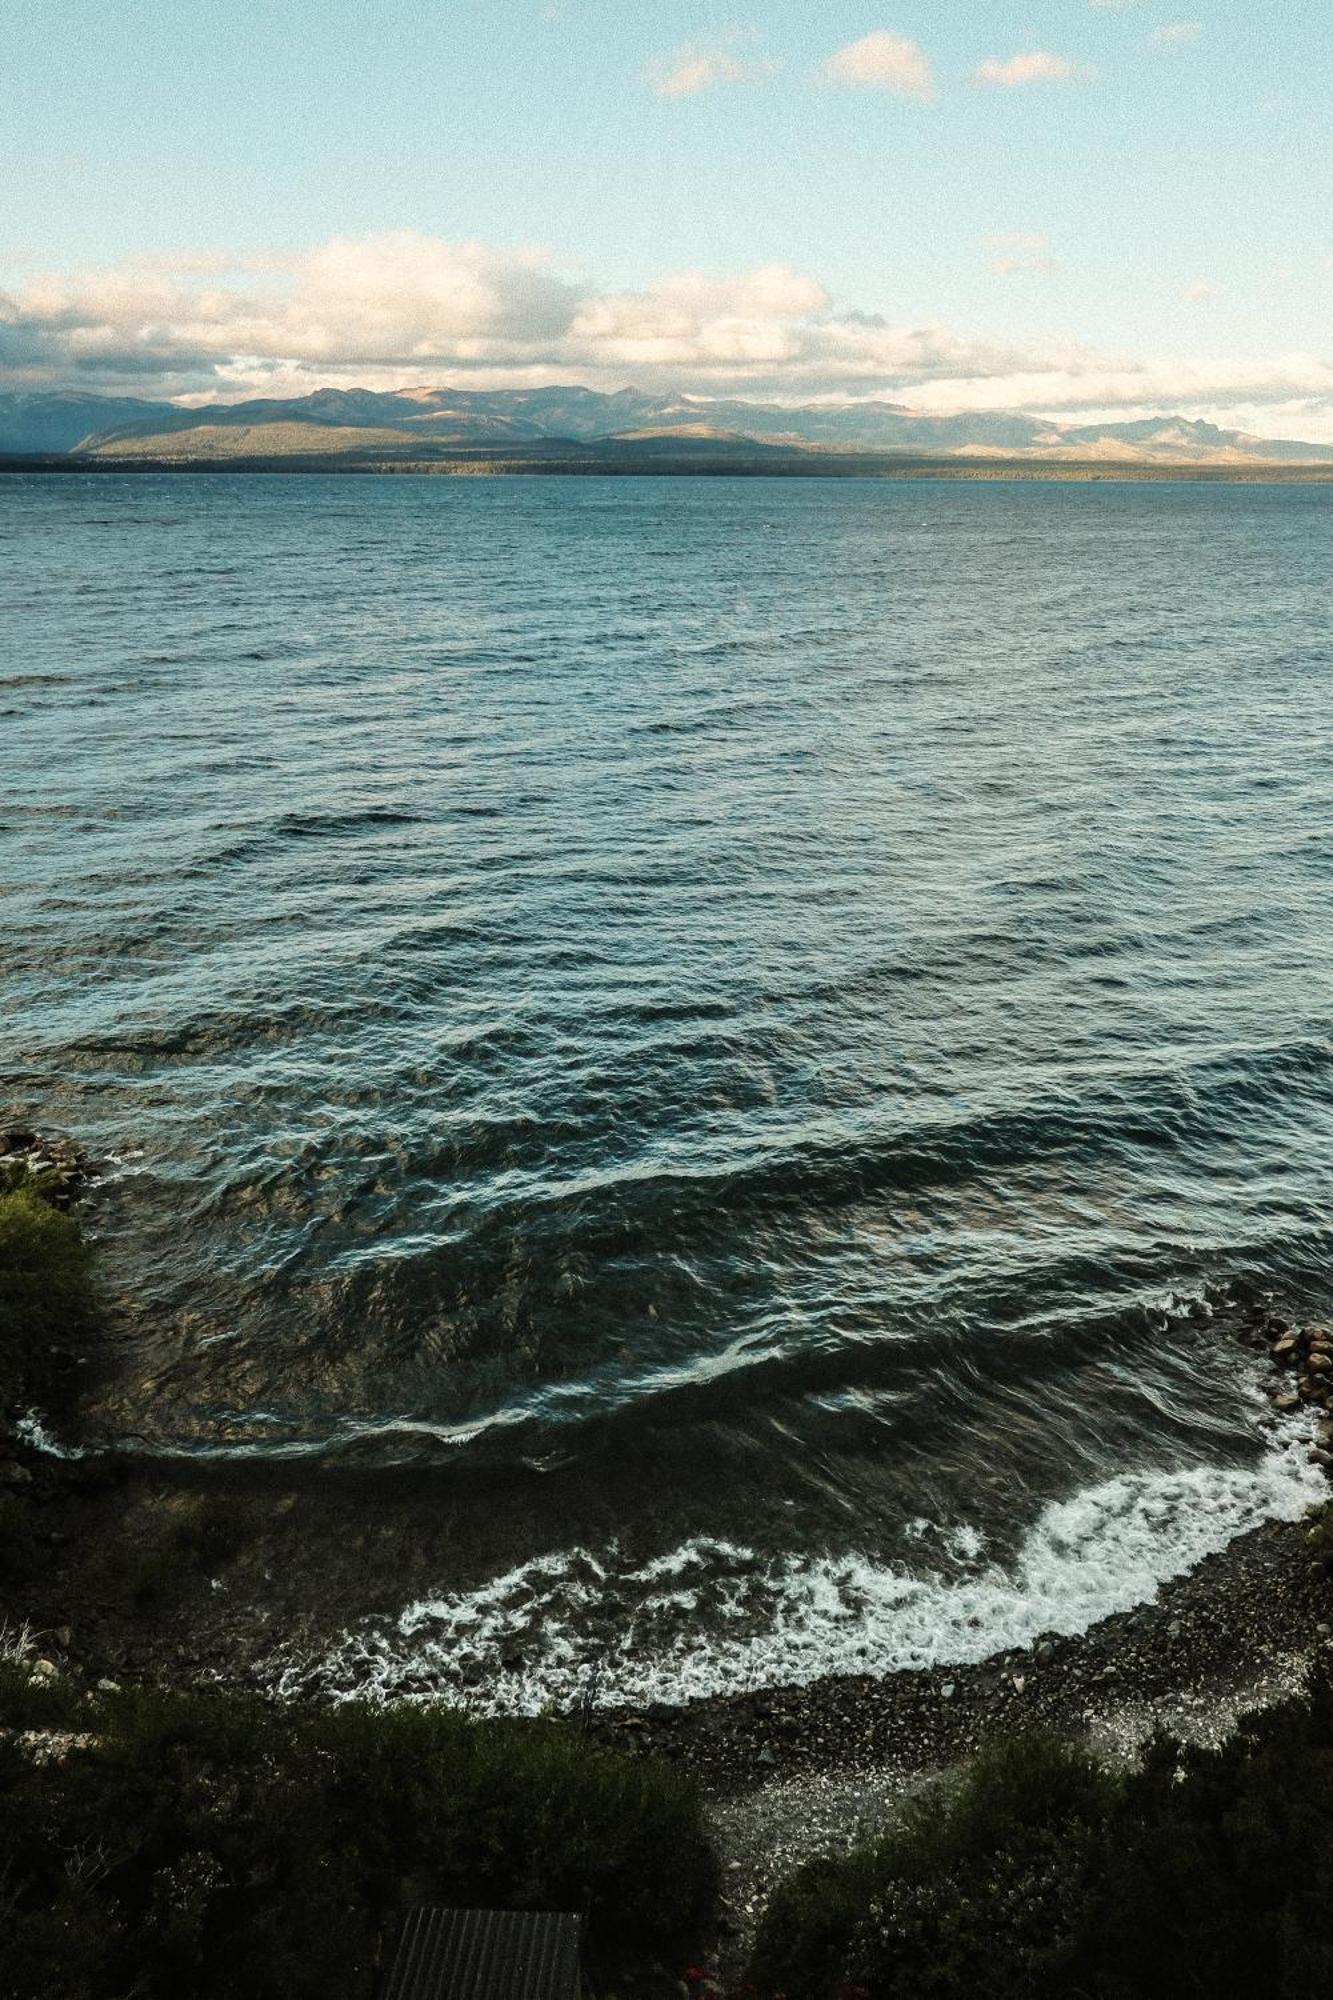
column 754, row 462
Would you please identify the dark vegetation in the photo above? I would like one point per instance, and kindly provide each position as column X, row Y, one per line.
column 220, row 1845
column 47, row 1305
column 1206, row 1873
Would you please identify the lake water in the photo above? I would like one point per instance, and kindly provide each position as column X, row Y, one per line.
column 749, row 1022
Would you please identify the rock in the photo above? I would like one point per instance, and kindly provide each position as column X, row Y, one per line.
column 1283, row 1349
column 765, row 1755
column 1319, row 1363
column 44, row 1670
column 949, row 1690
column 105, row 1686
column 1289, row 1400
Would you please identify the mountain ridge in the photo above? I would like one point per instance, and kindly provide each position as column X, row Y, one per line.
column 425, row 423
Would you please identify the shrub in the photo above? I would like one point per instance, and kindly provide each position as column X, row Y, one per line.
column 971, row 1894
column 27, row 1702
column 46, row 1297
column 1205, row 1872
column 224, row 1847
column 1220, row 1866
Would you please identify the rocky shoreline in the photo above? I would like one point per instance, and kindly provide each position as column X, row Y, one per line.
column 64, row 1171
column 187, row 1574
column 787, row 1772
column 185, row 1571
column 1245, row 1623
column 795, row 1773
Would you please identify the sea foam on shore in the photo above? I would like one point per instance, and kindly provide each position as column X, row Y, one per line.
column 715, row 1618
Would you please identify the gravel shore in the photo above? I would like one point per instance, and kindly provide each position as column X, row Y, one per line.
column 792, row 1773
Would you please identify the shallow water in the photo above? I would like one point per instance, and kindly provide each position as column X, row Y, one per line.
column 743, row 1016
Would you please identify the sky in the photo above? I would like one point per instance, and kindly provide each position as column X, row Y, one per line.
column 1082, row 208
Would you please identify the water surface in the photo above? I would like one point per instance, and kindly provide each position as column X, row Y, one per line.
column 750, row 1021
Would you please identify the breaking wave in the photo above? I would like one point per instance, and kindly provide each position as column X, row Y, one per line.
column 715, row 1617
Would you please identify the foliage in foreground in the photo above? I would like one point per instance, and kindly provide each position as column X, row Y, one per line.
column 220, row 1846
column 1205, row 1873
column 974, row 1896
column 47, row 1309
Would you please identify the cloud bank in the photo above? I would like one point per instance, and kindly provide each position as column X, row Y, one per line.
column 402, row 309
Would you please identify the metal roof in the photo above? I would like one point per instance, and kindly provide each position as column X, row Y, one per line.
column 485, row 1955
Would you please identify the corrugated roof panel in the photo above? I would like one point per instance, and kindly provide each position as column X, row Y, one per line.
column 485, row 1955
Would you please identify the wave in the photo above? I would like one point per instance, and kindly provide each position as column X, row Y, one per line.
column 714, row 1617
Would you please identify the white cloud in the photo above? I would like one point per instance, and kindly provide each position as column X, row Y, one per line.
column 1199, row 292
column 1033, row 66
column 702, row 65
column 1300, row 385
column 1176, row 33
column 404, row 309
column 1021, row 253
column 883, row 61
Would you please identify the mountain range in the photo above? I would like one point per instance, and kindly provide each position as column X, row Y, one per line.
column 424, row 425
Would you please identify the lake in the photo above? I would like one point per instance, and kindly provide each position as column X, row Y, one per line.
column 749, row 1024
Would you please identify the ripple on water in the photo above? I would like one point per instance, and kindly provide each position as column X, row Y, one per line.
column 771, row 983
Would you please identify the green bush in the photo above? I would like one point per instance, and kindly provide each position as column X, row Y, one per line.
column 1206, row 1873
column 30, row 1703
column 973, row 1893
column 219, row 1846
column 1219, row 1869
column 47, row 1309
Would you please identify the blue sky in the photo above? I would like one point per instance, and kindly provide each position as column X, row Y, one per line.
column 962, row 205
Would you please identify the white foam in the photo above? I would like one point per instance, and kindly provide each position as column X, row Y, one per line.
column 714, row 1618
column 35, row 1434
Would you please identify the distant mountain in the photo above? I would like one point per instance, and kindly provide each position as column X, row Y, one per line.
column 59, row 420
column 425, row 424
